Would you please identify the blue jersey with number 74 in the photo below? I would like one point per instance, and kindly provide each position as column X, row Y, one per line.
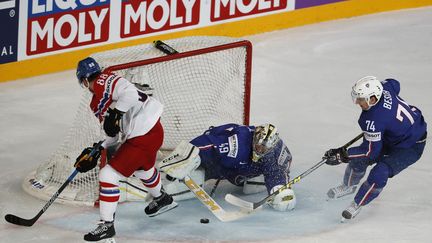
column 391, row 123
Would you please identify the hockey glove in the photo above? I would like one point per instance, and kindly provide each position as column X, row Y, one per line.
column 285, row 200
column 336, row 156
column 85, row 161
column 112, row 122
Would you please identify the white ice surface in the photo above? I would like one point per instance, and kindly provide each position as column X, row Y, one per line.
column 301, row 82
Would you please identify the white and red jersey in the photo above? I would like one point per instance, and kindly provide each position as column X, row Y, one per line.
column 141, row 111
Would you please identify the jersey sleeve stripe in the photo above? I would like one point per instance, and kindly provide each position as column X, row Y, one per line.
column 205, row 147
column 367, row 154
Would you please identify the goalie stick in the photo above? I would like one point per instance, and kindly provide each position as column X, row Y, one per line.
column 253, row 206
column 211, row 204
column 13, row 219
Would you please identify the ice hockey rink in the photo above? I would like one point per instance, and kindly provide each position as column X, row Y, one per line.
column 301, row 82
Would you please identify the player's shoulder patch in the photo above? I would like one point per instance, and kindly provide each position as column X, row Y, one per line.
column 233, row 146
column 284, row 156
column 372, row 136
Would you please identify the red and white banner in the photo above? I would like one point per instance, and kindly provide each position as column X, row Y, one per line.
column 229, row 9
column 53, row 26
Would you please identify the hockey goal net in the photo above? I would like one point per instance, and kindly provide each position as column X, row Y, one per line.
column 206, row 84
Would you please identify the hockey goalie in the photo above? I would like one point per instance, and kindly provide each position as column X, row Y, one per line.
column 255, row 158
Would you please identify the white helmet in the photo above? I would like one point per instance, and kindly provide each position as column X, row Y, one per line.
column 366, row 88
column 264, row 140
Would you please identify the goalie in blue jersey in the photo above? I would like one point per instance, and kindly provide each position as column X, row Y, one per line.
column 394, row 138
column 255, row 158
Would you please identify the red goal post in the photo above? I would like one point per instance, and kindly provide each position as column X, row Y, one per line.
column 208, row 83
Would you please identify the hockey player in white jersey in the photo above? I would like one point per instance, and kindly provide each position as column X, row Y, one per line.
column 133, row 117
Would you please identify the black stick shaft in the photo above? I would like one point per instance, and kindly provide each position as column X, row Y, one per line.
column 13, row 219
column 298, row 178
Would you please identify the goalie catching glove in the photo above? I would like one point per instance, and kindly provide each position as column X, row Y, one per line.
column 285, row 200
column 182, row 161
column 86, row 161
column 336, row 156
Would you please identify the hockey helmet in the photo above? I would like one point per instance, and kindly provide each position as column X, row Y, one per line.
column 365, row 88
column 86, row 68
column 264, row 139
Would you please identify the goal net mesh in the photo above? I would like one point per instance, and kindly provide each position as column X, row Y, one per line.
column 206, row 84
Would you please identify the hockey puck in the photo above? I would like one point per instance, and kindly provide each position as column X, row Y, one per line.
column 204, row 221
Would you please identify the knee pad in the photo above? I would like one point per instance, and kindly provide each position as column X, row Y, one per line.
column 109, row 175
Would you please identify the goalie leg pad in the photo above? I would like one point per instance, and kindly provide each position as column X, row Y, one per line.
column 178, row 190
column 254, row 185
column 184, row 159
column 285, row 200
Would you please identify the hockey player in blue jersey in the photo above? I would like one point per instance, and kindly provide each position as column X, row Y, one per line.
column 241, row 154
column 394, row 138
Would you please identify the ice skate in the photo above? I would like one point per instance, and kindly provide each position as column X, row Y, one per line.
column 160, row 205
column 340, row 191
column 104, row 230
column 351, row 211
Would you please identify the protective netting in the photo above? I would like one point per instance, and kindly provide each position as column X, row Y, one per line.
column 206, row 85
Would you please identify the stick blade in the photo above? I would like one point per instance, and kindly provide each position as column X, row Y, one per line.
column 236, row 201
column 232, row 216
column 13, row 219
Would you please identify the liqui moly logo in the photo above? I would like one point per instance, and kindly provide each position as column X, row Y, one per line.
column 228, row 9
column 148, row 16
column 59, row 24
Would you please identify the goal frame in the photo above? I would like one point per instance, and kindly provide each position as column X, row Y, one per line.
column 248, row 69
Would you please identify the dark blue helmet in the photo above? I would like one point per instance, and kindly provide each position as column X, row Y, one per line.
column 86, row 68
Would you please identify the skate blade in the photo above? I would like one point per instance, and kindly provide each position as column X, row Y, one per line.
column 164, row 209
column 109, row 240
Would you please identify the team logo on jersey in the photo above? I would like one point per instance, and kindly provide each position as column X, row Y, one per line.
column 233, row 146
column 372, row 136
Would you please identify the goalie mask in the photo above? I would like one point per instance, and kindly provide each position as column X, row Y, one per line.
column 264, row 140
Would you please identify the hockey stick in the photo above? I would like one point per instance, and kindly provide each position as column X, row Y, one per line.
column 13, row 219
column 211, row 204
column 213, row 190
column 160, row 45
column 253, row 206
column 179, row 164
column 145, row 191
